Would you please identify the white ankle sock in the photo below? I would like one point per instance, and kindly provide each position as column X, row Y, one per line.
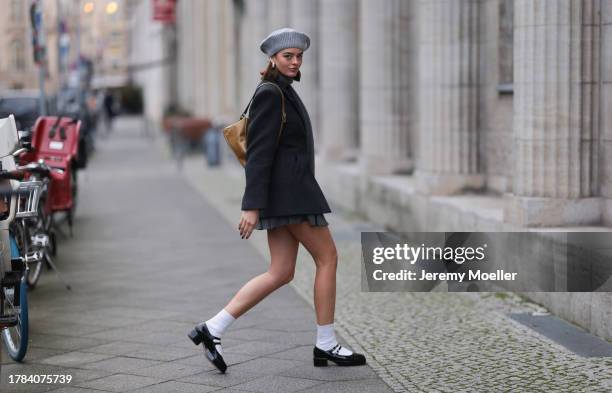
column 326, row 340
column 219, row 323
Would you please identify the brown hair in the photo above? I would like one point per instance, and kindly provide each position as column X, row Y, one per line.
column 269, row 73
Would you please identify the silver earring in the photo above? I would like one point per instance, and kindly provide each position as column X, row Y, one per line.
column 273, row 65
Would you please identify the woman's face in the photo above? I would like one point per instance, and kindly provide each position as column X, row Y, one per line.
column 288, row 61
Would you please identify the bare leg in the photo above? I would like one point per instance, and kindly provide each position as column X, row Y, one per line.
column 283, row 252
column 320, row 245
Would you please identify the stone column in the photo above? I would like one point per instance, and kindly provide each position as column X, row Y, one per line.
column 278, row 14
column 448, row 97
column 556, row 64
column 220, row 71
column 213, row 57
column 606, row 116
column 228, row 66
column 199, row 58
column 339, row 79
column 386, row 72
column 304, row 17
column 254, row 28
column 185, row 54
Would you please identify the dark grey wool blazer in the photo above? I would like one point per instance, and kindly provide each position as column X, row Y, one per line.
column 280, row 179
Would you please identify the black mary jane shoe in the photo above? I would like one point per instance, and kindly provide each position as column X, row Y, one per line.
column 200, row 334
column 321, row 357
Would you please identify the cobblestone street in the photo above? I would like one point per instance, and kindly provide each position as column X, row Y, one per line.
column 155, row 250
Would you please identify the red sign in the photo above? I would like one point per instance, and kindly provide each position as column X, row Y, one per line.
column 164, row 10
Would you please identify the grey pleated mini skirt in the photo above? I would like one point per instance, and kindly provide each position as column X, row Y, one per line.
column 315, row 220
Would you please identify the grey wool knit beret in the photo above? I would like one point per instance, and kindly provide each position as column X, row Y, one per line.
column 282, row 39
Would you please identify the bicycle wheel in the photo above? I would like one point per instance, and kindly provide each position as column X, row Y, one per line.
column 35, row 227
column 34, row 273
column 74, row 189
column 15, row 338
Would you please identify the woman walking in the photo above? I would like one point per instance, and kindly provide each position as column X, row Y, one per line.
column 283, row 197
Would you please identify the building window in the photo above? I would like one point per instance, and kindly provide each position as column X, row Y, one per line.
column 506, row 47
column 17, row 56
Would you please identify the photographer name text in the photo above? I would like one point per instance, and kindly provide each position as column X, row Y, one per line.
column 472, row 275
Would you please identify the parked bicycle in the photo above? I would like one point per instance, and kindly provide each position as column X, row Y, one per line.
column 14, row 285
column 30, row 194
column 38, row 226
column 17, row 200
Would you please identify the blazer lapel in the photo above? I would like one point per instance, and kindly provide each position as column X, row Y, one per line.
column 294, row 99
column 303, row 113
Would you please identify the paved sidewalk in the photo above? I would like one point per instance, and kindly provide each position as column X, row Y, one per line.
column 149, row 258
column 425, row 342
column 156, row 250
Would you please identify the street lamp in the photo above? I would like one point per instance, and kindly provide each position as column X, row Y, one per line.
column 88, row 7
column 111, row 7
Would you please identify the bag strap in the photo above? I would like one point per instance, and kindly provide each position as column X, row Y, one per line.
column 284, row 114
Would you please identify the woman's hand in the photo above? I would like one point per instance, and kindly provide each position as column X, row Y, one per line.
column 248, row 220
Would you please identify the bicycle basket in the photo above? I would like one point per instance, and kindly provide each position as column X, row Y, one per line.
column 28, row 195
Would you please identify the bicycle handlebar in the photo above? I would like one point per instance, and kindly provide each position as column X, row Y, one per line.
column 16, row 174
column 40, row 168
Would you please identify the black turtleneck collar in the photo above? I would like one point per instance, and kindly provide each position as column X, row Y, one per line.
column 285, row 81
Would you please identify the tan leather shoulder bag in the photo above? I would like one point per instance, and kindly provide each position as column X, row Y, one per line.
column 236, row 134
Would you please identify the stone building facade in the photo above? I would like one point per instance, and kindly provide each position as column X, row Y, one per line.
column 436, row 115
column 148, row 59
column 103, row 39
column 17, row 67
